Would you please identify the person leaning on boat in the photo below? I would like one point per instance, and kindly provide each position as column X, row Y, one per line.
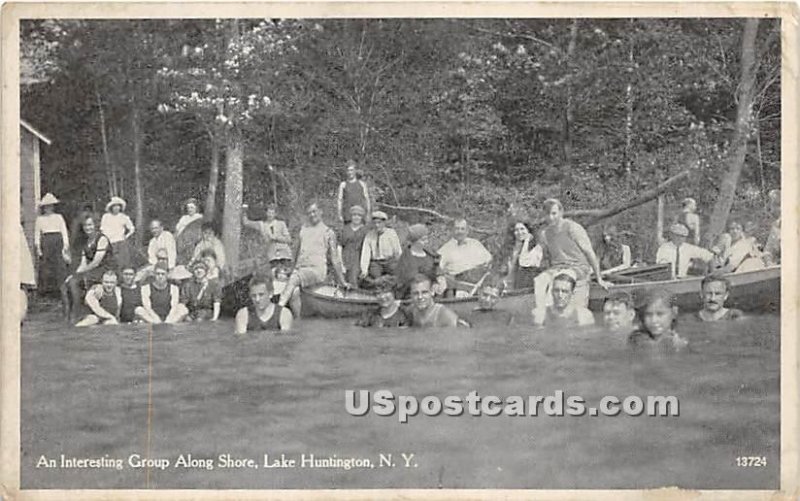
column 380, row 251
column 463, row 258
column 263, row 314
column 418, row 259
column 316, row 243
column 567, row 246
column 426, row 312
column 681, row 255
column 526, row 258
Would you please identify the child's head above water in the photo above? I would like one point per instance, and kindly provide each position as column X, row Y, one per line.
column 657, row 311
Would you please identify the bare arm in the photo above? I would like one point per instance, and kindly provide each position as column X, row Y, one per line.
column 242, row 317
column 94, row 304
column 286, row 319
column 98, row 257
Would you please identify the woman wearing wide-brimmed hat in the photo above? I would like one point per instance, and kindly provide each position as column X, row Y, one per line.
column 51, row 242
column 118, row 227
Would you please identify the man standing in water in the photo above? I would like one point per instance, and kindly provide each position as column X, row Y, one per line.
column 426, row 312
column 352, row 192
column 714, row 292
column 487, row 313
column 567, row 247
column 563, row 312
column 316, row 244
column 618, row 313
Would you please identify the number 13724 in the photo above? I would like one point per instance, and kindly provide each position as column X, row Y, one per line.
column 751, row 461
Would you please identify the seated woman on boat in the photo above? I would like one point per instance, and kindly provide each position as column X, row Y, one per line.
column 737, row 252
column 563, row 312
column 104, row 301
column 263, row 314
column 614, row 255
column 526, row 258
column 96, row 259
column 658, row 317
column 418, row 259
column 426, row 312
column 714, row 291
column 200, row 297
column 391, row 313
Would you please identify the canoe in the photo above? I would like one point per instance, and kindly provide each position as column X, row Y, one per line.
column 752, row 290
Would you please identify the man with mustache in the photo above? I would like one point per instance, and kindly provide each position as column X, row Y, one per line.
column 714, row 293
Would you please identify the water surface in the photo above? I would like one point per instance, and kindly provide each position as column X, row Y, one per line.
column 85, row 394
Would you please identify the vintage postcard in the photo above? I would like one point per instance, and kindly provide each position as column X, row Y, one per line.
column 399, row 250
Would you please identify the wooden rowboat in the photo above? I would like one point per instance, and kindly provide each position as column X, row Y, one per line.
column 752, row 290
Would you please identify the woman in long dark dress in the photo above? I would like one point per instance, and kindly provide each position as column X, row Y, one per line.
column 352, row 240
column 51, row 241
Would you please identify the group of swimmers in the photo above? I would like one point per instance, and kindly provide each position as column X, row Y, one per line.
column 367, row 253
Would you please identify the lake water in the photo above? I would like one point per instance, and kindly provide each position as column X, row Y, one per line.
column 95, row 392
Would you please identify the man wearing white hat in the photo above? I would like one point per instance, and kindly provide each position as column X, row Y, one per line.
column 381, row 248
column 118, row 227
column 51, row 242
column 679, row 253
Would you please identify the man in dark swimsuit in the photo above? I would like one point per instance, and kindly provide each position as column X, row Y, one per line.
column 131, row 308
column 714, row 292
column 160, row 298
column 104, row 300
column 263, row 315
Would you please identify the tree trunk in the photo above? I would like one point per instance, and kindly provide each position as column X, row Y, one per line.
column 660, row 220
column 629, row 108
column 568, row 111
column 110, row 174
column 232, row 208
column 213, row 180
column 738, row 147
column 137, row 176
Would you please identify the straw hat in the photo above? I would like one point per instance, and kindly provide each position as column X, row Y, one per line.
column 116, row 201
column 679, row 229
column 48, row 199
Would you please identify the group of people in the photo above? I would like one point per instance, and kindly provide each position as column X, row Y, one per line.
column 184, row 271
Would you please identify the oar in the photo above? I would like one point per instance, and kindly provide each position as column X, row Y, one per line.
column 478, row 285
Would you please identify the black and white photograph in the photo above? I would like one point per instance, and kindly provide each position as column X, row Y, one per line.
column 339, row 252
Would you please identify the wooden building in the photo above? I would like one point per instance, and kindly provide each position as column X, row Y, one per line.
column 30, row 180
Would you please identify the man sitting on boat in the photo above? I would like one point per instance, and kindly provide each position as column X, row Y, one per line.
column 104, row 301
column 263, row 315
column 426, row 312
column 160, row 299
column 563, row 312
column 613, row 255
column 487, row 313
column 567, row 247
column 380, row 251
column 416, row 259
column 682, row 255
column 391, row 312
column 618, row 313
column 714, row 292
column 316, row 244
column 736, row 251
column 463, row 259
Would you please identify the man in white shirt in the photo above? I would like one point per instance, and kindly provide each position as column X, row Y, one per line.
column 162, row 239
column 462, row 254
column 381, row 248
column 679, row 253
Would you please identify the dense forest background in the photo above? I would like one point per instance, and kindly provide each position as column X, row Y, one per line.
column 480, row 117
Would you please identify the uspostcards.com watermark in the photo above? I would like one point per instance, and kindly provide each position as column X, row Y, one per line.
column 385, row 403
